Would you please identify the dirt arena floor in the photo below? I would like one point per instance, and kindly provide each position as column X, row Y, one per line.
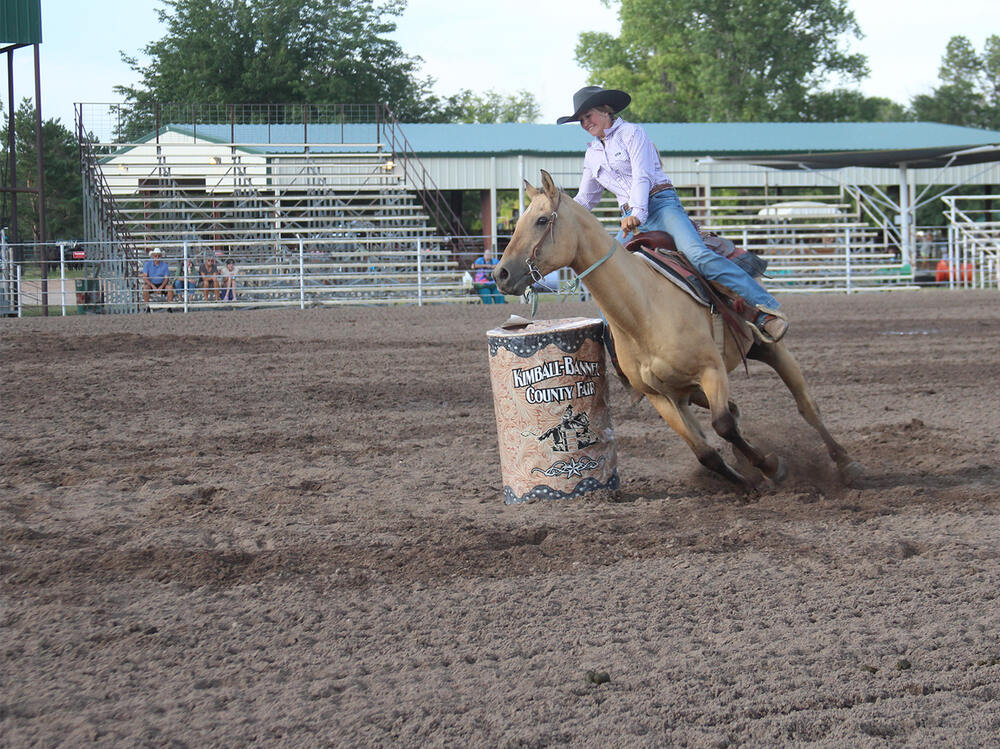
column 286, row 528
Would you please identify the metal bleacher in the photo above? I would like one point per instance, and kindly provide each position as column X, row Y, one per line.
column 318, row 213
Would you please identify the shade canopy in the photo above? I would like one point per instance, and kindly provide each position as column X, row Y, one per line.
column 929, row 157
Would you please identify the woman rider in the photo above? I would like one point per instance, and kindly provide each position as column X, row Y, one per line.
column 625, row 162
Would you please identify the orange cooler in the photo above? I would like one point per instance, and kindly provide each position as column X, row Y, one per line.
column 550, row 394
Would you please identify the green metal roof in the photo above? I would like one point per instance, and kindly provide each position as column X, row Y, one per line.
column 704, row 139
column 20, row 21
column 780, row 144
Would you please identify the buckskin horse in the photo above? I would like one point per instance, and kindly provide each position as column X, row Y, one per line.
column 663, row 337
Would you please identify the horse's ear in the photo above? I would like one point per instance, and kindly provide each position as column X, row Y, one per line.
column 530, row 190
column 549, row 186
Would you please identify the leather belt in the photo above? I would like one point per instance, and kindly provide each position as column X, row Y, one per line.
column 658, row 188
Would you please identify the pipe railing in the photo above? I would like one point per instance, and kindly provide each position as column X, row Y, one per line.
column 427, row 189
column 973, row 245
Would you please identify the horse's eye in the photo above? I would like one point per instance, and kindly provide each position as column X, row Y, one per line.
column 542, row 220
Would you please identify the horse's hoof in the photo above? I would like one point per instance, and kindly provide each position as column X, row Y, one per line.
column 852, row 473
column 774, row 468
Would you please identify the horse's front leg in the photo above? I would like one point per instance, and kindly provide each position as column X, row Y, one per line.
column 715, row 385
column 680, row 419
column 698, row 398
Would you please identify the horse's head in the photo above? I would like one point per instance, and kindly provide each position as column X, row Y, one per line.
column 537, row 246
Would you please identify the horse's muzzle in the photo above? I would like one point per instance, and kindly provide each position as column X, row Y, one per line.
column 512, row 277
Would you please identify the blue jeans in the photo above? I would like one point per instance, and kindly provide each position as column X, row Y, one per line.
column 490, row 294
column 667, row 214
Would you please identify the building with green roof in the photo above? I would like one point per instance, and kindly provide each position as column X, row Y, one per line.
column 880, row 165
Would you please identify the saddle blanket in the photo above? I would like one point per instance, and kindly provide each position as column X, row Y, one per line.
column 690, row 284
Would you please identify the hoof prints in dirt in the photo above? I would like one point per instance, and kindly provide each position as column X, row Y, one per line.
column 320, row 555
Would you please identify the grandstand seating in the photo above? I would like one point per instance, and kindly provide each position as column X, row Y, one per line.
column 305, row 224
column 331, row 223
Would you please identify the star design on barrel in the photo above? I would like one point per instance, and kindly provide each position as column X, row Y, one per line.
column 570, row 468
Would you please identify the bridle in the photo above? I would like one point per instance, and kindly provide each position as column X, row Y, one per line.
column 550, row 230
column 536, row 275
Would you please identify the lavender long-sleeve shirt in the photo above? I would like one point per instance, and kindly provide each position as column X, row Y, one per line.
column 626, row 163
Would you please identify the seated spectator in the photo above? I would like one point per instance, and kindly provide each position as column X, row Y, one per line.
column 156, row 276
column 208, row 273
column 187, row 286
column 229, row 281
column 483, row 280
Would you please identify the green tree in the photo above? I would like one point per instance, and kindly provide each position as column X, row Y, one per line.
column 723, row 60
column 489, row 107
column 969, row 93
column 63, row 196
column 280, row 51
column 843, row 105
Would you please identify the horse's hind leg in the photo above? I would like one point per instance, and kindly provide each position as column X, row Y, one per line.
column 679, row 419
column 715, row 385
column 780, row 359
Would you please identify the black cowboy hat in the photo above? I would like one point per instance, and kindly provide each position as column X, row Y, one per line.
column 589, row 97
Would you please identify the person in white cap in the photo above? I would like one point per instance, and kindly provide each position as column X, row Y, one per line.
column 624, row 161
column 156, row 276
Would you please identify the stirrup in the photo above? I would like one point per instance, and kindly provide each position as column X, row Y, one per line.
column 759, row 331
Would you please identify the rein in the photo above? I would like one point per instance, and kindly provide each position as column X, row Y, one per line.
column 573, row 285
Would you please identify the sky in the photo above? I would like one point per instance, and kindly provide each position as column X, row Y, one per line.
column 505, row 45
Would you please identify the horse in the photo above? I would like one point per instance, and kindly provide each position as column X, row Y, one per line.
column 663, row 338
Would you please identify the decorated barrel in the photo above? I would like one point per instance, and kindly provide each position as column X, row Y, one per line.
column 550, row 394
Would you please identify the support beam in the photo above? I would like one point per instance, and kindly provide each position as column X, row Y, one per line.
column 40, row 151
column 520, row 185
column 493, row 202
column 905, row 215
column 486, row 211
